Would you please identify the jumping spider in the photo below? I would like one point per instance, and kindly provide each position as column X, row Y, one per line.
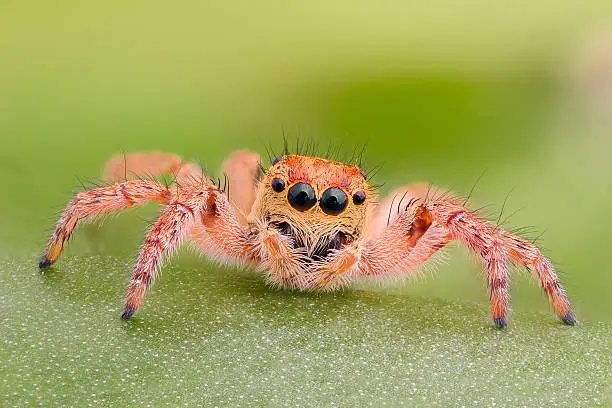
column 308, row 222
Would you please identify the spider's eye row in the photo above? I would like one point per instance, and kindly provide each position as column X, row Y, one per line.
column 359, row 197
column 301, row 196
column 333, row 201
column 278, row 185
column 276, row 160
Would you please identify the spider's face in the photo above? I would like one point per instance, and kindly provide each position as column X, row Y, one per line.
column 314, row 200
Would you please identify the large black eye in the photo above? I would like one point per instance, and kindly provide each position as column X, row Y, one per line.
column 333, row 201
column 278, row 185
column 359, row 197
column 302, row 197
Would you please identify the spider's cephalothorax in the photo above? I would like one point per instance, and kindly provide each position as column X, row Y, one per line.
column 318, row 206
column 310, row 223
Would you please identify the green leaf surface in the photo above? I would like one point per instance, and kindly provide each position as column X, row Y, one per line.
column 219, row 337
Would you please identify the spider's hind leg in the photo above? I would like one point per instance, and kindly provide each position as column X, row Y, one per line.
column 121, row 167
column 242, row 169
column 131, row 166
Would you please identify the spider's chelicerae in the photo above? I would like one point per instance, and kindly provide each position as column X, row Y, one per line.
column 308, row 222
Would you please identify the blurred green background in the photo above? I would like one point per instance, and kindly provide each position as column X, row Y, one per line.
column 440, row 91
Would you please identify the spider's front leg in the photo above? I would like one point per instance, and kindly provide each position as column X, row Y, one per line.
column 497, row 247
column 170, row 229
column 414, row 236
column 200, row 212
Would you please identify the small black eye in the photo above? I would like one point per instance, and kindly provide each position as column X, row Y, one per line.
column 278, row 185
column 359, row 197
column 302, row 197
column 333, row 201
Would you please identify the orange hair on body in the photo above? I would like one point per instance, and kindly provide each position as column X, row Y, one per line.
column 309, row 223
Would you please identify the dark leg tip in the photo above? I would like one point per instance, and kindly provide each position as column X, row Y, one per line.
column 500, row 322
column 44, row 263
column 128, row 312
column 569, row 318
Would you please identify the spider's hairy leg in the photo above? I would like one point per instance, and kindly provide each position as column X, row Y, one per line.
column 221, row 234
column 123, row 167
column 170, row 229
column 133, row 165
column 242, row 170
column 100, row 201
column 407, row 242
column 415, row 235
column 497, row 247
column 526, row 254
column 200, row 212
column 484, row 239
column 400, row 235
column 395, row 204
